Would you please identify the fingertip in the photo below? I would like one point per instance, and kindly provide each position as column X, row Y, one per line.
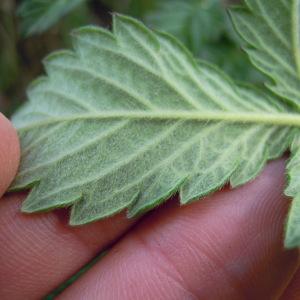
column 9, row 153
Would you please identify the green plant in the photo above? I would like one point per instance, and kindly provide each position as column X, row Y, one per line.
column 128, row 118
column 203, row 26
column 39, row 15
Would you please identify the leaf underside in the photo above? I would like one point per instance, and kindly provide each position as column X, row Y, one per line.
column 128, row 118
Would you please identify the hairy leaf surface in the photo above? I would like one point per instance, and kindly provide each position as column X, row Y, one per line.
column 129, row 118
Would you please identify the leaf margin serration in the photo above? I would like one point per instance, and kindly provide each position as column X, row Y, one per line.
column 159, row 200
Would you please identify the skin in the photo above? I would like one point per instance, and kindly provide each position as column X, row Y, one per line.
column 226, row 246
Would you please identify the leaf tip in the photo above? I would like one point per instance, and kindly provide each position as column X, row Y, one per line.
column 84, row 29
column 121, row 21
column 36, row 83
column 292, row 239
column 57, row 55
column 27, row 208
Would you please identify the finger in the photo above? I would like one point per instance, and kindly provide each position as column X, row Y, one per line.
column 39, row 252
column 9, row 154
column 293, row 290
column 228, row 246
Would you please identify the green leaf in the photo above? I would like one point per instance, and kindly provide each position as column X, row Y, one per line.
column 194, row 22
column 268, row 29
column 129, row 118
column 272, row 32
column 39, row 15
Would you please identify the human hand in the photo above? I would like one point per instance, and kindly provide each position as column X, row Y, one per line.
column 227, row 246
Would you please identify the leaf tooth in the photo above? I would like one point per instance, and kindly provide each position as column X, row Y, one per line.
column 99, row 37
column 35, row 203
column 140, row 206
column 59, row 57
column 135, row 37
column 254, row 157
column 123, row 24
column 90, row 31
column 81, row 215
column 292, row 236
column 36, row 85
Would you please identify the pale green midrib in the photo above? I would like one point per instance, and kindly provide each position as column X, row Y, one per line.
column 278, row 119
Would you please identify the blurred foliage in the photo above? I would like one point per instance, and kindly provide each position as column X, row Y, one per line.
column 21, row 58
column 8, row 53
column 204, row 27
column 9, row 64
column 39, row 15
column 31, row 29
column 195, row 22
column 136, row 8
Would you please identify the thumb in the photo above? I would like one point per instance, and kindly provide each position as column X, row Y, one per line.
column 9, row 154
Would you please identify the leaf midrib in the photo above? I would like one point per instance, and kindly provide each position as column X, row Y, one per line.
column 278, row 119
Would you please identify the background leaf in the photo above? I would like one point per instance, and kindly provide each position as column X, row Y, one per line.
column 267, row 29
column 194, row 22
column 40, row 15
